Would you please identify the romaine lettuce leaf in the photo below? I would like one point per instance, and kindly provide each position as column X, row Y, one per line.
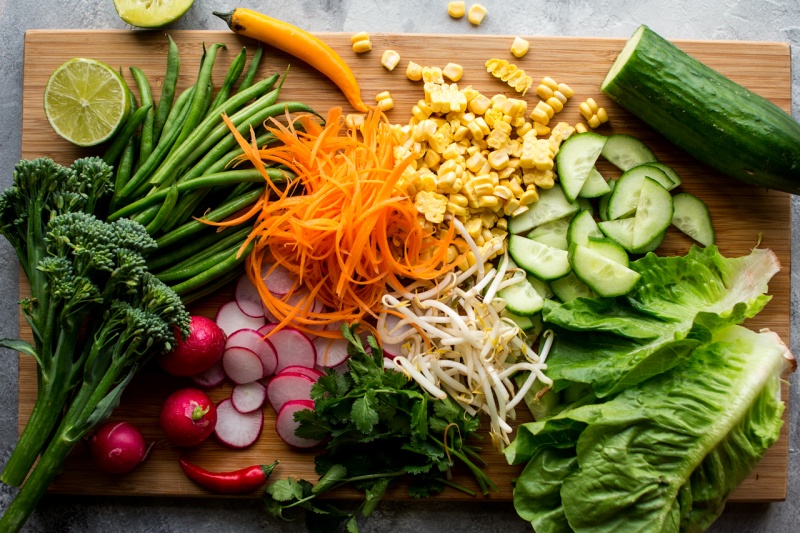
column 677, row 305
column 662, row 455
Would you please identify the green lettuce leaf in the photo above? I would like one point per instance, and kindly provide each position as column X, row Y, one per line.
column 662, row 455
column 677, row 305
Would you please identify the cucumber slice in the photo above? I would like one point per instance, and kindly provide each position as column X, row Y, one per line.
column 691, row 216
column 576, row 159
column 670, row 172
column 544, row 262
column 525, row 323
column 653, row 214
column 540, row 287
column 604, row 276
column 585, row 205
column 602, row 204
column 552, row 233
column 620, row 231
column 626, row 151
column 608, row 248
column 626, row 194
column 552, row 205
column 652, row 246
column 582, row 227
column 570, row 287
column 522, row 299
column 595, row 185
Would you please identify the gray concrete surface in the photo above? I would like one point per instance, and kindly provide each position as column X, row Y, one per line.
column 754, row 20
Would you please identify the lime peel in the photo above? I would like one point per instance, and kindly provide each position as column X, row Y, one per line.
column 151, row 13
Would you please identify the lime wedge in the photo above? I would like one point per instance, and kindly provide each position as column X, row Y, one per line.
column 86, row 101
column 151, row 13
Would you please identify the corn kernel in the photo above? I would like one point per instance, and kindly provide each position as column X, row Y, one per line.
column 360, row 36
column 519, row 47
column 565, row 89
column 488, row 201
column 457, row 210
column 529, row 197
column 547, row 108
column 390, row 59
column 511, row 206
column 515, row 187
column 585, row 110
column 524, row 128
column 432, row 158
column 560, row 96
column 382, row 96
column 475, row 162
column 544, row 92
column 521, row 209
column 482, row 125
column 592, row 105
column 594, row 122
column 452, row 253
column 502, row 224
column 479, row 105
column 473, row 227
column 432, row 75
column 459, row 199
column 354, row 121
column 453, row 71
column 498, row 159
column 460, row 133
column 555, row 103
column 476, row 14
column 602, row 115
column 580, row 127
column 413, row 71
column 541, row 129
column 456, row 9
column 362, row 46
column 502, row 192
column 540, row 116
column 451, row 152
column 550, row 83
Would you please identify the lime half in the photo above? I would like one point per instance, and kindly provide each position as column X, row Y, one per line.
column 86, row 101
column 151, row 13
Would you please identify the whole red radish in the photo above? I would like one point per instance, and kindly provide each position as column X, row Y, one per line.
column 188, row 417
column 199, row 352
column 117, row 447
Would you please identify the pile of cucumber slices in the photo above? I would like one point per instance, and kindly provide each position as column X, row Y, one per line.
column 569, row 254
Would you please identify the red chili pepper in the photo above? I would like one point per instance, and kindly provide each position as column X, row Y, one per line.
column 236, row 482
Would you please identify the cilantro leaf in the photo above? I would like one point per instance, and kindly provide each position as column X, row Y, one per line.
column 419, row 418
column 334, row 475
column 285, row 490
column 310, row 427
column 448, row 410
column 364, row 414
column 374, row 495
column 352, row 526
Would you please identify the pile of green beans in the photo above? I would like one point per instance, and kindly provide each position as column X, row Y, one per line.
column 176, row 163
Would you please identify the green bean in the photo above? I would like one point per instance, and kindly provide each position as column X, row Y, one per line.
column 212, row 162
column 146, row 216
column 183, row 211
column 196, row 267
column 167, row 258
column 167, row 89
column 228, row 142
column 220, row 213
column 250, row 75
column 164, row 211
column 213, row 272
column 234, row 239
column 175, row 112
column 198, row 105
column 146, row 136
column 213, row 286
column 144, row 172
column 210, row 180
column 121, row 139
column 208, row 128
column 234, row 71
column 124, row 168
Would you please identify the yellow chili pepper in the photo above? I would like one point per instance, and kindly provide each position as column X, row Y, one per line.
column 298, row 43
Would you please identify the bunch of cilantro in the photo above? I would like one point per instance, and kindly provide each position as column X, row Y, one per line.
column 380, row 428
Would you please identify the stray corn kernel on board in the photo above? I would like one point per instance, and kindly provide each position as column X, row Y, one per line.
column 742, row 215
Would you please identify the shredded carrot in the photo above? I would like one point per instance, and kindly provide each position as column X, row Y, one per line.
column 346, row 227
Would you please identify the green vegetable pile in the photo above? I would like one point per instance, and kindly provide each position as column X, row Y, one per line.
column 663, row 403
column 381, row 428
column 96, row 313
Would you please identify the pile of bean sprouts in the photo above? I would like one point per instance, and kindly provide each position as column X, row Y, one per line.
column 453, row 339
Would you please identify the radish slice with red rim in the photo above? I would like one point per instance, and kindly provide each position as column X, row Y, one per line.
column 255, row 342
column 285, row 424
column 235, row 429
column 277, row 278
column 247, row 397
column 231, row 319
column 331, row 352
column 287, row 387
column 242, row 365
column 247, row 298
column 212, row 377
column 292, row 346
column 313, row 373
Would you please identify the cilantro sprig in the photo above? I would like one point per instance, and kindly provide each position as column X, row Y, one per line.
column 380, row 427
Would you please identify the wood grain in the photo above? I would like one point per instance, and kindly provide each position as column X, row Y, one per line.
column 744, row 216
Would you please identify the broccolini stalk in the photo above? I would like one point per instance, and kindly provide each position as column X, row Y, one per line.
column 139, row 324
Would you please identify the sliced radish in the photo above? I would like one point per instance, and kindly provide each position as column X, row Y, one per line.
column 277, row 279
column 231, row 319
column 247, row 298
column 292, row 346
column 235, row 429
column 242, row 365
column 331, row 352
column 255, row 342
column 289, row 386
column 247, row 397
column 313, row 373
column 286, row 425
column 212, row 377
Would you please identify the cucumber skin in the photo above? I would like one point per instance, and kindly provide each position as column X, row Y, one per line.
column 707, row 115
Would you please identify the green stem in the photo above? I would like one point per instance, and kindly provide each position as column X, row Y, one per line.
column 456, row 486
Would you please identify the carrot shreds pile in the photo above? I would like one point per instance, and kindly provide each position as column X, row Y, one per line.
column 346, row 227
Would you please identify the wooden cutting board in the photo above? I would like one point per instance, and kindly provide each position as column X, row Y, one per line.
column 743, row 215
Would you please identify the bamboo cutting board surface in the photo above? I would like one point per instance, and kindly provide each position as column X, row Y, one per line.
column 743, row 215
